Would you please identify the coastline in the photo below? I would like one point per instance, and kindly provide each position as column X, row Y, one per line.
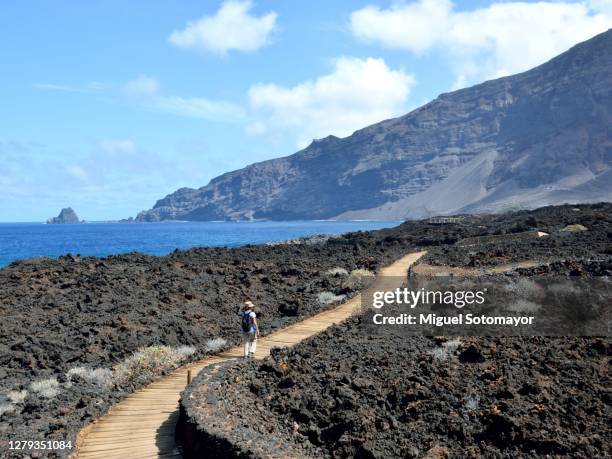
column 96, row 312
column 22, row 241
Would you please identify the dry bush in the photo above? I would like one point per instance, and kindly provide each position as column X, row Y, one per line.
column 16, row 396
column 472, row 402
column 445, row 351
column 183, row 352
column 441, row 353
column 337, row 272
column 523, row 306
column 101, row 377
column 577, row 228
column 6, row 408
column 356, row 278
column 215, row 344
column 46, row 388
column 329, row 298
column 452, row 344
column 149, row 362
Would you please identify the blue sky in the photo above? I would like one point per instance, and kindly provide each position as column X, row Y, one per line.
column 111, row 105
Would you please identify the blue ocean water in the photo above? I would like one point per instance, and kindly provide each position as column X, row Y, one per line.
column 27, row 240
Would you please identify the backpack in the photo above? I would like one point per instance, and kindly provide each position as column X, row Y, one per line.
column 247, row 321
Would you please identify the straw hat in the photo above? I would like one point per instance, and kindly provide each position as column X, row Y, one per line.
column 248, row 305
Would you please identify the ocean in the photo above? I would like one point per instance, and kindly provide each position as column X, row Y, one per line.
column 28, row 240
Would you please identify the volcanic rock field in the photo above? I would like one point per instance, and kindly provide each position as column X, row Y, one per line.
column 338, row 394
column 350, row 393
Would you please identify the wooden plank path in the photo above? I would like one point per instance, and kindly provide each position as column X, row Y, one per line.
column 142, row 425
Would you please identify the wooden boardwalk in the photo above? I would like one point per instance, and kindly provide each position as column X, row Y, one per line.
column 142, row 425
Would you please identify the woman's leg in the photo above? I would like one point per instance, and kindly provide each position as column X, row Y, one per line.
column 246, row 343
column 253, row 345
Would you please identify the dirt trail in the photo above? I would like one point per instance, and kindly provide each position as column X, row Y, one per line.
column 437, row 270
column 143, row 424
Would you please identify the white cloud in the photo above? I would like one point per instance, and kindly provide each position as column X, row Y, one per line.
column 76, row 171
column 601, row 6
column 416, row 26
column 115, row 146
column 143, row 85
column 497, row 40
column 358, row 92
column 198, row 107
column 231, row 28
column 92, row 86
column 111, row 178
column 145, row 92
column 56, row 87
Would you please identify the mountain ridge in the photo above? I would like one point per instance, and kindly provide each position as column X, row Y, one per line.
column 536, row 138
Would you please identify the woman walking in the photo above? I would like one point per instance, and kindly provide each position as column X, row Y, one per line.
column 250, row 329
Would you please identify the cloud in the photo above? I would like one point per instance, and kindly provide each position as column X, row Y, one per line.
column 142, row 85
column 416, row 26
column 231, row 28
column 56, row 87
column 111, row 178
column 76, row 171
column 145, row 93
column 92, row 86
column 356, row 93
column 115, row 146
column 198, row 107
column 497, row 40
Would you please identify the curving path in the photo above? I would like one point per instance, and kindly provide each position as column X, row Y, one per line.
column 142, row 425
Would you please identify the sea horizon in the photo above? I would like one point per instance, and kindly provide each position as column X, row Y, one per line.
column 27, row 240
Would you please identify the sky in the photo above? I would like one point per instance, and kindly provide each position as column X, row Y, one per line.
column 109, row 105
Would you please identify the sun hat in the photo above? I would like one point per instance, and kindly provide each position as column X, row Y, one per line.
column 248, row 305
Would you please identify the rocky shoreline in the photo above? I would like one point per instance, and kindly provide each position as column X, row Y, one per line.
column 71, row 325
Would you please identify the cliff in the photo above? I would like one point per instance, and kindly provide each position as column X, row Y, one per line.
column 532, row 139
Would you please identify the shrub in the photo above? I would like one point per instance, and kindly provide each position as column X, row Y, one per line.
column 452, row 344
column 445, row 351
column 46, row 388
column 523, row 306
column 577, row 228
column 523, row 288
column 337, row 272
column 76, row 372
column 149, row 362
column 16, row 396
column 472, row 402
column 6, row 408
column 102, row 377
column 356, row 278
column 216, row 344
column 329, row 298
column 440, row 353
column 184, row 351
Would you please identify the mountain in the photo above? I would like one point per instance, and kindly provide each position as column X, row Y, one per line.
column 67, row 215
column 532, row 139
